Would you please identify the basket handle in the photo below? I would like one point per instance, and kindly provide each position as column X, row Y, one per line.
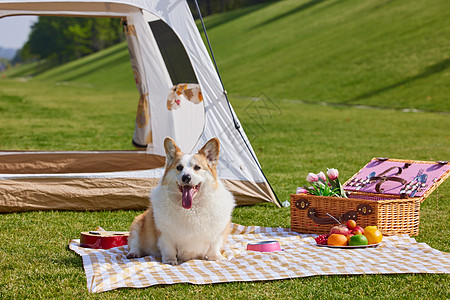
column 312, row 214
column 362, row 209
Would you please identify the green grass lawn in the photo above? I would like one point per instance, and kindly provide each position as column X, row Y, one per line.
column 392, row 54
column 291, row 139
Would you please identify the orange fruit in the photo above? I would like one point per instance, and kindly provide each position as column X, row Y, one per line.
column 374, row 236
column 358, row 240
column 337, row 240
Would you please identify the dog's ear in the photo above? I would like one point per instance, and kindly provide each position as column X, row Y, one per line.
column 171, row 150
column 211, row 151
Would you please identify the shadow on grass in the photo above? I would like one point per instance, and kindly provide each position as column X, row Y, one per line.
column 74, row 261
column 298, row 9
column 106, row 63
column 428, row 71
column 232, row 15
column 81, row 64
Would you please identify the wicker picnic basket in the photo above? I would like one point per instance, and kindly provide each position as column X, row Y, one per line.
column 383, row 199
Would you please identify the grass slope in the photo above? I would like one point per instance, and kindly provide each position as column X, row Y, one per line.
column 108, row 68
column 44, row 115
column 384, row 53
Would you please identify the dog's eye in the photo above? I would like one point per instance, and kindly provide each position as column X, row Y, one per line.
column 180, row 168
column 197, row 167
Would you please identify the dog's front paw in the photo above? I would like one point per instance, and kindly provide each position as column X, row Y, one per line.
column 216, row 256
column 132, row 255
column 170, row 261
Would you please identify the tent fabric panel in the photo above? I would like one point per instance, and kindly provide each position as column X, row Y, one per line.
column 55, row 6
column 55, row 163
column 153, row 83
column 79, row 194
column 92, row 9
column 238, row 160
column 94, row 194
column 247, row 193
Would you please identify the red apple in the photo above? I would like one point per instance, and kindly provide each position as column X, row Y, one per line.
column 351, row 224
column 340, row 229
column 349, row 236
column 358, row 230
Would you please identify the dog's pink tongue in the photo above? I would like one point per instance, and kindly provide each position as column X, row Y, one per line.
column 186, row 196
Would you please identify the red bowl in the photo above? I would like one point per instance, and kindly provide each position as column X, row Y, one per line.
column 264, row 246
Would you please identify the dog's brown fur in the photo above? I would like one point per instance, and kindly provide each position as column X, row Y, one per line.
column 170, row 228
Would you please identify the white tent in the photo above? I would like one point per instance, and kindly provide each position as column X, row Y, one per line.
column 181, row 96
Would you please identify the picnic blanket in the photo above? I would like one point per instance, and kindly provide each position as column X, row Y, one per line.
column 301, row 257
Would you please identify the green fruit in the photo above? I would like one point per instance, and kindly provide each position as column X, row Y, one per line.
column 358, row 240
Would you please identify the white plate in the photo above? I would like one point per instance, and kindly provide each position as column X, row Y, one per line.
column 350, row 247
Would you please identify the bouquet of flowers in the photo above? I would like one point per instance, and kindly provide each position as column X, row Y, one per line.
column 320, row 186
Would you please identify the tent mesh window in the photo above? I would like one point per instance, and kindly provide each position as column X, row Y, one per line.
column 173, row 53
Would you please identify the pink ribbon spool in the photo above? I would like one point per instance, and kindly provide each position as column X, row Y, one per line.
column 264, row 246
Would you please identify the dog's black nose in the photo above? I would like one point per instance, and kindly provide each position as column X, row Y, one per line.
column 186, row 178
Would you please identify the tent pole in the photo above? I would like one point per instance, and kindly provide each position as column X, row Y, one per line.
column 235, row 122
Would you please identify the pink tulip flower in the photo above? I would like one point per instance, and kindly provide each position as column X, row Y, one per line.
column 301, row 190
column 322, row 176
column 312, row 177
column 333, row 174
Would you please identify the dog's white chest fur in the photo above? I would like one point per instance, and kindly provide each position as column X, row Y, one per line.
column 194, row 232
column 190, row 209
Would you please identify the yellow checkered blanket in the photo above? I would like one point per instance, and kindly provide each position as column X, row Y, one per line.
column 301, row 257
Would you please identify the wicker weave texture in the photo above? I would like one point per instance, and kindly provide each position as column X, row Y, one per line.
column 391, row 216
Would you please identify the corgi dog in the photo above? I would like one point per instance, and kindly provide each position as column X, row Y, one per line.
column 190, row 210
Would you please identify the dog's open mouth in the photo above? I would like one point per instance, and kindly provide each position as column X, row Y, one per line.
column 187, row 194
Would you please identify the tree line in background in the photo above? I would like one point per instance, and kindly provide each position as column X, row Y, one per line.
column 61, row 39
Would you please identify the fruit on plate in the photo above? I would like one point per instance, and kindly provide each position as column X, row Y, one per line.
column 358, row 240
column 349, row 236
column 358, row 230
column 340, row 229
column 368, row 228
column 322, row 239
column 336, row 239
column 342, row 235
column 351, row 224
column 373, row 236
